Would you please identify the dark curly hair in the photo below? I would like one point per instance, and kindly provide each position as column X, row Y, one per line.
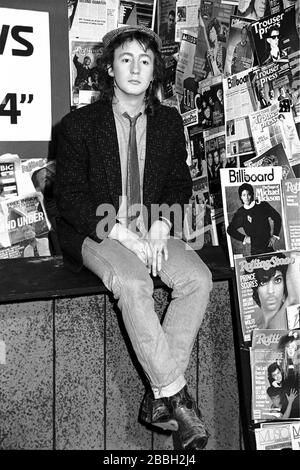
column 107, row 82
column 263, row 275
column 246, row 187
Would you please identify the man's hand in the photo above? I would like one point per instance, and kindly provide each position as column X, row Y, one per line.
column 272, row 242
column 157, row 238
column 132, row 242
column 293, row 394
column 247, row 240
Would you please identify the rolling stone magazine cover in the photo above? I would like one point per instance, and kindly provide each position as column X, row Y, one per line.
column 275, row 368
column 267, row 284
column 291, row 198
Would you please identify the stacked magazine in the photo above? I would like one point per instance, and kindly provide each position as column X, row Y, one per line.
column 24, row 225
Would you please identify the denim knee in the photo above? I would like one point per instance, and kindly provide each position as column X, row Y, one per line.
column 136, row 285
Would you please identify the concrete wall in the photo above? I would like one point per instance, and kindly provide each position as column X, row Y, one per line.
column 68, row 381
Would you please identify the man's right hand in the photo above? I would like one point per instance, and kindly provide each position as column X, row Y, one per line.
column 140, row 247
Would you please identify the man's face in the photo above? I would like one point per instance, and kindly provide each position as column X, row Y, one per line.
column 277, row 376
column 209, row 158
column 132, row 69
column 271, row 293
column 274, row 39
column 171, row 22
column 260, row 6
column 216, row 158
column 276, row 401
column 291, row 349
column 220, row 95
column 87, row 61
column 244, row 35
column 207, row 112
column 246, row 197
column 28, row 232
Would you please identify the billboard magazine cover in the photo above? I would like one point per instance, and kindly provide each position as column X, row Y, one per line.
column 251, row 197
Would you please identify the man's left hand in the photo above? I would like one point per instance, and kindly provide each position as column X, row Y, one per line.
column 157, row 237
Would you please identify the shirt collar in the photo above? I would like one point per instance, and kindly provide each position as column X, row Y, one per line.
column 119, row 109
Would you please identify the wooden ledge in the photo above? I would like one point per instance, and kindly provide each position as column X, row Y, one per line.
column 47, row 277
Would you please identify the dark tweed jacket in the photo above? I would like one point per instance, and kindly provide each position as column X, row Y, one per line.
column 89, row 172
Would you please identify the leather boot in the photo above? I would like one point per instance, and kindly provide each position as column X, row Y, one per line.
column 157, row 412
column 192, row 433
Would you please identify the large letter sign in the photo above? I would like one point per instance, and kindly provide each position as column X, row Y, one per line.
column 25, row 83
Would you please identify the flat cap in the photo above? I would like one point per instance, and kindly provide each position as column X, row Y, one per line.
column 114, row 33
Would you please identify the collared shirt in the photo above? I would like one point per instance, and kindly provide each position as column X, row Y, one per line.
column 123, row 130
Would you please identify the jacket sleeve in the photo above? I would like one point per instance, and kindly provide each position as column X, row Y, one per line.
column 235, row 224
column 75, row 202
column 178, row 186
column 276, row 217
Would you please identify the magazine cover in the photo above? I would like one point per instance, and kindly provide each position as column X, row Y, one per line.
column 215, row 154
column 275, row 374
column 275, row 156
column 272, row 84
column 185, row 84
column 91, row 19
column 169, row 55
column 198, row 229
column 84, row 71
column 294, row 60
column 265, row 128
column 240, row 100
column 270, row 127
column 293, row 316
column 213, row 28
column 10, row 171
column 198, row 165
column 291, row 201
column 274, row 37
column 210, row 103
column 290, row 136
column 186, row 17
column 267, row 284
column 167, row 20
column 137, row 12
column 24, row 227
column 239, row 55
column 254, row 10
column 253, row 210
column 277, row 436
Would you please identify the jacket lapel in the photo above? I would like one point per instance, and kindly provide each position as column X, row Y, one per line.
column 108, row 144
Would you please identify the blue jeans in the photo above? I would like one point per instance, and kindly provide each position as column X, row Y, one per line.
column 162, row 350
